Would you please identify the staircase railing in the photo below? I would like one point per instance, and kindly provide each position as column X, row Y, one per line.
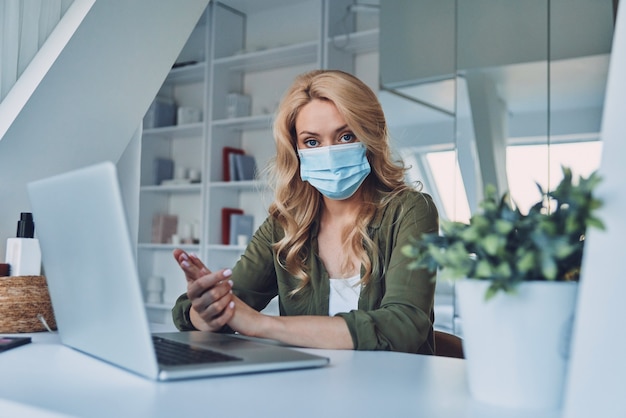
column 24, row 27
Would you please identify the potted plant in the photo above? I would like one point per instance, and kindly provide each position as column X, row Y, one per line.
column 518, row 287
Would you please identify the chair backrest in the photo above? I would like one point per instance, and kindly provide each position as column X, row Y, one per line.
column 448, row 345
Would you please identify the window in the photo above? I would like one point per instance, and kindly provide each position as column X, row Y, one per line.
column 531, row 164
column 527, row 164
column 446, row 174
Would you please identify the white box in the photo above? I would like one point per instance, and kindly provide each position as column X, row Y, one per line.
column 187, row 114
column 238, row 105
column 160, row 113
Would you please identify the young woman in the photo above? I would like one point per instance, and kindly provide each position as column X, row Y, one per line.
column 331, row 245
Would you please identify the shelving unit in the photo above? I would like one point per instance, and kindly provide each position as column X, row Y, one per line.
column 240, row 53
column 194, row 73
column 271, row 59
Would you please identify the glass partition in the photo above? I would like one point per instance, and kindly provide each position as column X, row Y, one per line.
column 512, row 90
column 418, row 92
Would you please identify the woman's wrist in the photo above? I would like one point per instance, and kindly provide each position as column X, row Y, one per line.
column 266, row 326
column 197, row 321
column 252, row 323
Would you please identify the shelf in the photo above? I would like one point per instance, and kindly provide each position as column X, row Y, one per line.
column 222, row 247
column 357, row 42
column 168, row 247
column 176, row 131
column 174, row 188
column 160, row 306
column 243, row 124
column 238, row 185
column 193, row 73
column 273, row 58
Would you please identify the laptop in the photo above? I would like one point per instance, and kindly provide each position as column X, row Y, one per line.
column 96, row 293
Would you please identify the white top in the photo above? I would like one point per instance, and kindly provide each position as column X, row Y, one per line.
column 344, row 294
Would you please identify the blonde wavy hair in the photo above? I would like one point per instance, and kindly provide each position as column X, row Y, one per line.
column 297, row 204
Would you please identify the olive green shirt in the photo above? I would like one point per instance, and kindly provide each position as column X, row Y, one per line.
column 395, row 310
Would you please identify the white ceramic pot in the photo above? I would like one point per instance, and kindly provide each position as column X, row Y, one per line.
column 517, row 345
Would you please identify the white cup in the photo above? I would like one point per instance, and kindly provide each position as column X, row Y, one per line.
column 181, row 173
column 185, row 232
column 242, row 240
column 155, row 284
column 194, row 175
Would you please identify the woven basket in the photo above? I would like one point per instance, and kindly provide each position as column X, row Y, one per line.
column 22, row 298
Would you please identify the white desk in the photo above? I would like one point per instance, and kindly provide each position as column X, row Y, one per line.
column 47, row 379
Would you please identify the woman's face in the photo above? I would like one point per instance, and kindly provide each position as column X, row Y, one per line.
column 320, row 124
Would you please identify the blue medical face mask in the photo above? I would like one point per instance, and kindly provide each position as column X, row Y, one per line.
column 336, row 171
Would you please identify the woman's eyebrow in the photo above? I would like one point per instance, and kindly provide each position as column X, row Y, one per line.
column 342, row 128
column 310, row 133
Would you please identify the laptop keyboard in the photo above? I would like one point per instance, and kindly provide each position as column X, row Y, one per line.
column 173, row 353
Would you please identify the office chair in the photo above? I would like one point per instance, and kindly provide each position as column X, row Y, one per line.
column 448, row 345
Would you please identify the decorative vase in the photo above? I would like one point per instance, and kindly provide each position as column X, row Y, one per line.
column 517, row 345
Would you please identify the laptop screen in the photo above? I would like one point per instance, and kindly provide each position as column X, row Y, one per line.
column 90, row 267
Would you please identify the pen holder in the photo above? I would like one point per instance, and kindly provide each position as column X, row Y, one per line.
column 22, row 299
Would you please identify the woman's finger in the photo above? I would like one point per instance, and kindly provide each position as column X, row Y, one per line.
column 190, row 264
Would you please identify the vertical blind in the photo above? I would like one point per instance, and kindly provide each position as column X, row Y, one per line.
column 24, row 27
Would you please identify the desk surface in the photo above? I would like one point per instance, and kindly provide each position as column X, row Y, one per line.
column 48, row 379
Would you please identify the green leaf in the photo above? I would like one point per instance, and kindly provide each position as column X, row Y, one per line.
column 491, row 292
column 526, row 262
column 492, row 243
column 595, row 223
column 504, row 270
column 483, row 270
column 471, row 234
column 409, row 251
column 562, row 248
column 548, row 267
column 503, row 227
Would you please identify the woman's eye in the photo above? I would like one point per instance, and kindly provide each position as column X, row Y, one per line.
column 311, row 143
column 347, row 138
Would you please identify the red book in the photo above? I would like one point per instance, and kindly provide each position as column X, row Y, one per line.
column 226, row 212
column 226, row 169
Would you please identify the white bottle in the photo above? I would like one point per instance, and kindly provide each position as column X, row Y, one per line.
column 23, row 252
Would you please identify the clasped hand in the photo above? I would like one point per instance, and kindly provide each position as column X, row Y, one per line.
column 213, row 304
